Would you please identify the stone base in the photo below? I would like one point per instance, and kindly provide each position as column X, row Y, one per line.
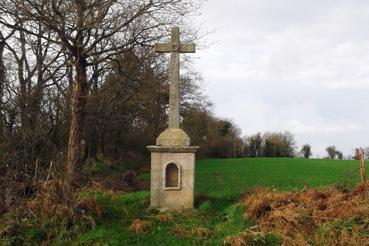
column 181, row 197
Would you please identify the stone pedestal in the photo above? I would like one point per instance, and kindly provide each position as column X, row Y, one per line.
column 172, row 171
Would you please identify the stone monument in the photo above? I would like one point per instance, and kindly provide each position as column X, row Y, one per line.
column 172, row 158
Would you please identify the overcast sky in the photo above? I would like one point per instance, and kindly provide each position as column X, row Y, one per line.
column 296, row 65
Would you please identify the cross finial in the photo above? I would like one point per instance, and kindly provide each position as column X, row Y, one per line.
column 174, row 47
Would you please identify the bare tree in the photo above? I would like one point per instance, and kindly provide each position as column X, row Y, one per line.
column 91, row 32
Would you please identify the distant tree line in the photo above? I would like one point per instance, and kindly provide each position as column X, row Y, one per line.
column 333, row 153
column 270, row 144
column 217, row 137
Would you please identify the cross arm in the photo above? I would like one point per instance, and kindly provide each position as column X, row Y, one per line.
column 163, row 48
column 168, row 47
column 187, row 48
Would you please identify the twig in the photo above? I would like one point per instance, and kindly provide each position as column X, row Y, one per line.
column 35, row 176
column 48, row 175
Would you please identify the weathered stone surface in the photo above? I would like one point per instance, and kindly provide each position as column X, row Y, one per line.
column 167, row 199
column 173, row 137
column 175, row 47
column 175, row 149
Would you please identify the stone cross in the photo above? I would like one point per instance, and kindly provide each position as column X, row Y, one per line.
column 174, row 47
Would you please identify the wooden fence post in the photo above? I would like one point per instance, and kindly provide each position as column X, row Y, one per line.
column 362, row 165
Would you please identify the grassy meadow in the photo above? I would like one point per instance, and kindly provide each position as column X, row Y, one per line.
column 218, row 213
column 232, row 177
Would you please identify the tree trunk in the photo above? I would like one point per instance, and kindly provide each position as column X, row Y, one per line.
column 35, row 101
column 2, row 83
column 24, row 97
column 78, row 101
column 78, row 97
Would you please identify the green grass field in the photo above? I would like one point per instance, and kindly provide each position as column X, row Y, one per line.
column 217, row 216
column 232, row 177
column 223, row 182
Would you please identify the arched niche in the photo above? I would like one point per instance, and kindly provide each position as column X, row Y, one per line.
column 172, row 177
